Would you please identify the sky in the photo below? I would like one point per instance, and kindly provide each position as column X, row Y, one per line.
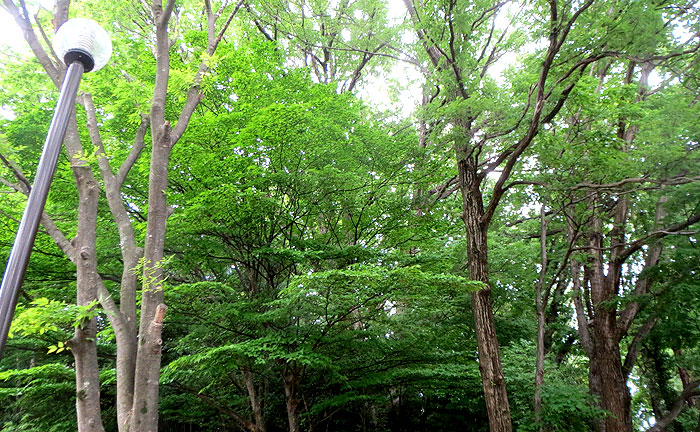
column 379, row 92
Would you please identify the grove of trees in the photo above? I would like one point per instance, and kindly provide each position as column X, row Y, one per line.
column 238, row 238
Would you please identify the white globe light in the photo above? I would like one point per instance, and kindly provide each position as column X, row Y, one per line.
column 83, row 40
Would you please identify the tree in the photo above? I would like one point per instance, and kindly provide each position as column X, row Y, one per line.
column 314, row 264
column 138, row 347
column 489, row 131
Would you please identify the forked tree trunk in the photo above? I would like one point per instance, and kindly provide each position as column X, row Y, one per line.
column 255, row 401
column 138, row 353
column 145, row 404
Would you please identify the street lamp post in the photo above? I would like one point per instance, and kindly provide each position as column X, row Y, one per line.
column 84, row 46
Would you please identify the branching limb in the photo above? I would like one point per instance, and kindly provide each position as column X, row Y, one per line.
column 689, row 391
column 45, row 37
column 672, row 181
column 23, row 186
column 671, row 230
column 136, row 149
column 633, row 348
column 446, row 189
column 194, row 94
column 24, row 22
column 96, row 139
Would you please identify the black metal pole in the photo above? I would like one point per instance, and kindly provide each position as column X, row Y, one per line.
column 24, row 241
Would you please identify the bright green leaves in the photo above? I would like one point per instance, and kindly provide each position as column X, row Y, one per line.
column 58, row 348
column 52, row 319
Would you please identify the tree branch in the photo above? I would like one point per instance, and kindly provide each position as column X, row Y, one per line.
column 136, row 149
column 30, row 37
column 633, row 348
column 194, row 94
column 691, row 390
column 672, row 230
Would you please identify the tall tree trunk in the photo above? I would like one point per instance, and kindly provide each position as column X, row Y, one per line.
column 492, row 378
column 122, row 318
column 144, row 410
column 145, row 403
column 291, row 380
column 84, row 342
column 255, row 401
column 540, row 307
column 615, row 395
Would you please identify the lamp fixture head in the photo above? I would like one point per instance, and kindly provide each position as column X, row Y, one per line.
column 83, row 40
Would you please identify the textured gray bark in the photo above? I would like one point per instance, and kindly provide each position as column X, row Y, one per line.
column 84, row 343
column 143, row 415
column 144, row 407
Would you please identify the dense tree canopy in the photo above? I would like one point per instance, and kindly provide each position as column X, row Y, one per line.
column 236, row 238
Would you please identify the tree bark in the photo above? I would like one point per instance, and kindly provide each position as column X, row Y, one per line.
column 123, row 319
column 540, row 307
column 606, row 364
column 291, row 380
column 615, row 395
column 145, row 409
column 138, row 366
column 84, row 342
column 255, row 401
column 145, row 402
column 493, row 380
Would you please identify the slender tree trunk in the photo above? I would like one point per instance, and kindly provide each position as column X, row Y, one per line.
column 492, row 377
column 87, row 378
column 144, row 411
column 125, row 368
column 123, row 318
column 540, row 306
column 84, row 342
column 255, row 402
column 145, row 403
column 291, row 383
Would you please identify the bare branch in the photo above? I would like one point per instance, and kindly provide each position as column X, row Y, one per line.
column 672, row 230
column 194, row 94
column 30, row 37
column 672, row 181
column 446, row 189
column 166, row 12
column 136, row 149
column 523, row 182
column 633, row 348
column 583, row 322
column 19, row 175
column 46, row 39
column 96, row 139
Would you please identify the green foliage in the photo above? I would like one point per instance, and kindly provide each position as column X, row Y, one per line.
column 32, row 397
column 307, row 253
column 566, row 403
